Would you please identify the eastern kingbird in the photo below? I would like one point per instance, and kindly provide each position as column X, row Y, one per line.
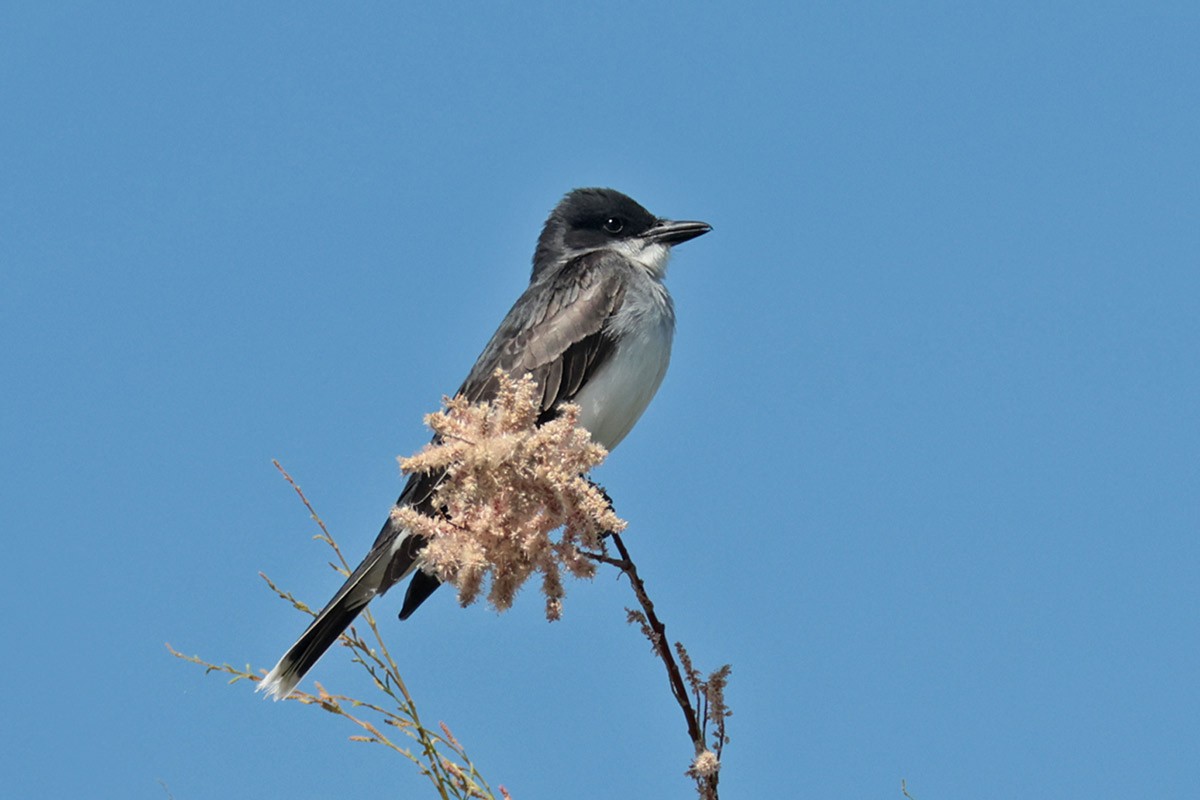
column 594, row 328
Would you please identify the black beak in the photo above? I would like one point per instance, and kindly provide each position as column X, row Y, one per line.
column 670, row 232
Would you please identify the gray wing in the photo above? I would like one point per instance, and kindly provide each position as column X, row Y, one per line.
column 557, row 332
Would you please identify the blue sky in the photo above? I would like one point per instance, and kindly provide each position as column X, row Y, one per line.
column 924, row 468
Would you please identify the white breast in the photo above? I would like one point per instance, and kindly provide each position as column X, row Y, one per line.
column 613, row 400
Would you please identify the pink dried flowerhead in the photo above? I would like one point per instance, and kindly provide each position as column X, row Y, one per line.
column 510, row 485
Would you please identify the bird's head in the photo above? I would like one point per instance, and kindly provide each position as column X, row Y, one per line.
column 604, row 219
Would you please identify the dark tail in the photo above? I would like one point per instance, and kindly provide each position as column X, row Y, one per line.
column 305, row 653
column 392, row 558
column 358, row 590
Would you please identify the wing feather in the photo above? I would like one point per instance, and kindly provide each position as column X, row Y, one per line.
column 557, row 333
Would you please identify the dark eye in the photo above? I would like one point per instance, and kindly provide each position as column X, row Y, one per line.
column 614, row 224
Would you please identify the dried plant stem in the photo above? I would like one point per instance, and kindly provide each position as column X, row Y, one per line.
column 656, row 631
column 660, row 641
column 435, row 766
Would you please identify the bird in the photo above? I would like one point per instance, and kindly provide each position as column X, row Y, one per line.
column 594, row 328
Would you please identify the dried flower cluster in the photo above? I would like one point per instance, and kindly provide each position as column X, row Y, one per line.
column 705, row 765
column 509, row 485
column 710, row 697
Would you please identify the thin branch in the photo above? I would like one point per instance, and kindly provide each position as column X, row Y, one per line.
column 436, row 765
column 329, row 540
column 661, row 646
column 656, row 632
column 441, row 759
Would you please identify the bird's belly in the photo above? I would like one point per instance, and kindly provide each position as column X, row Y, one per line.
column 613, row 400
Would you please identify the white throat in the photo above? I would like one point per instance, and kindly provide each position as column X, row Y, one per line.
column 651, row 256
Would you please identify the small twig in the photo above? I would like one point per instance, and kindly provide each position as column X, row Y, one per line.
column 436, row 767
column 656, row 631
column 329, row 540
column 661, row 645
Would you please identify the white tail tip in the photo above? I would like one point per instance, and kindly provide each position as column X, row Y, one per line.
column 279, row 682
